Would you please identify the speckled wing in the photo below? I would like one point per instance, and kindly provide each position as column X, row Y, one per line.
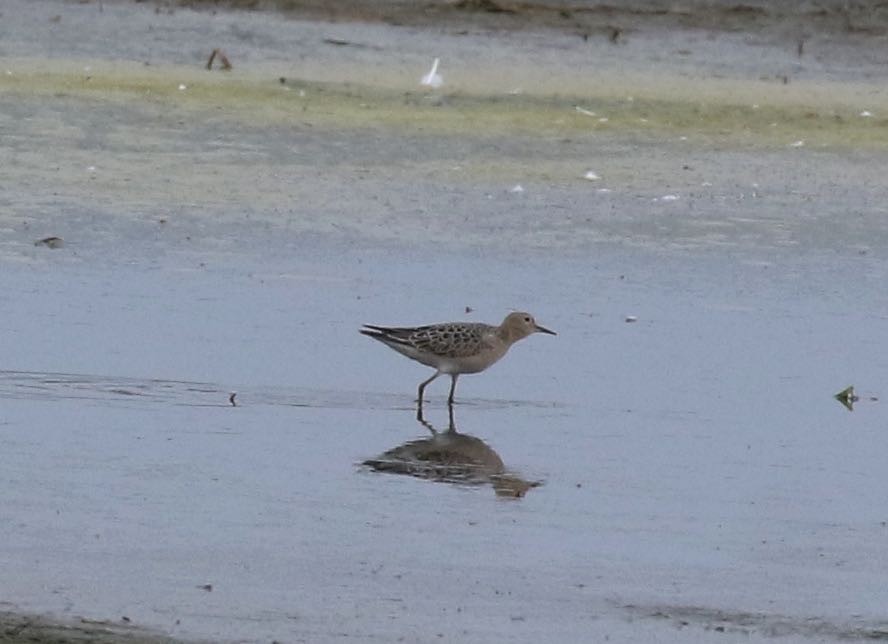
column 454, row 340
column 449, row 340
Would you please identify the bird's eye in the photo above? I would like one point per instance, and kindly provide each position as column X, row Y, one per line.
column 527, row 319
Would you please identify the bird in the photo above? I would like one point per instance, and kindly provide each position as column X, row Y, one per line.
column 455, row 348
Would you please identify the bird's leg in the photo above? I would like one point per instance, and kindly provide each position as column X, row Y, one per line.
column 452, row 388
column 424, row 422
column 452, row 426
column 422, row 387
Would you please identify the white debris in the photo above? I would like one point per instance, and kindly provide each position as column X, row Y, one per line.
column 603, row 119
column 591, row 176
column 517, row 188
column 603, row 191
column 669, row 198
column 582, row 110
column 433, row 78
column 182, row 87
column 797, row 144
column 866, row 113
column 91, row 168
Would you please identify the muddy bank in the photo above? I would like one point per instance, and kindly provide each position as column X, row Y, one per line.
column 696, row 139
column 17, row 628
column 587, row 19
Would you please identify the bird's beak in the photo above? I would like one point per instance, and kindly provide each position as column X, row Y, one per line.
column 542, row 329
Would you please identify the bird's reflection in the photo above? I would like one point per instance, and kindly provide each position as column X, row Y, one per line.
column 449, row 456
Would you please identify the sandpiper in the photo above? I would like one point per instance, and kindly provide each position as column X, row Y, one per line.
column 455, row 348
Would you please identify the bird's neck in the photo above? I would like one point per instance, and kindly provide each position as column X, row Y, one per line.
column 506, row 335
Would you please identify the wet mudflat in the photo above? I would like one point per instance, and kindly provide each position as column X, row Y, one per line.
column 695, row 476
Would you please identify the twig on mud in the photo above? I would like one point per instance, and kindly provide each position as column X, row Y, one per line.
column 339, row 42
column 223, row 60
column 50, row 242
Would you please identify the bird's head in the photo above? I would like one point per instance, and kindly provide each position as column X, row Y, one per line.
column 519, row 325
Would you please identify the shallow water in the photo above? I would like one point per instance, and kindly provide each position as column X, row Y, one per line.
column 695, row 471
column 693, row 464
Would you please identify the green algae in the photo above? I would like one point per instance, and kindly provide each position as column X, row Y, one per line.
column 713, row 120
